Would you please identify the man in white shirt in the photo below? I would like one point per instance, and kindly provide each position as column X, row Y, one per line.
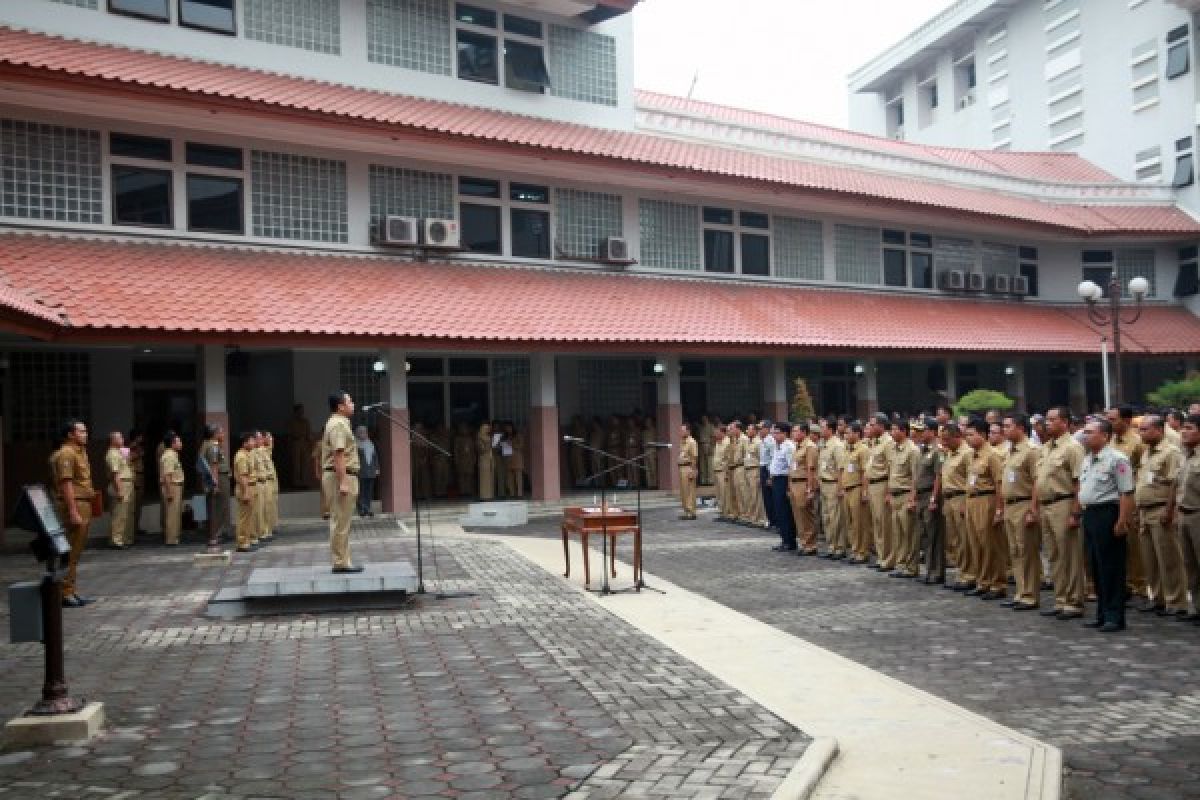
column 780, row 467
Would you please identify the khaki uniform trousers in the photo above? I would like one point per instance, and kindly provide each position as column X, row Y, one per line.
column 687, row 490
column 989, row 544
column 881, row 524
column 751, row 502
column 1163, row 559
column 1189, row 545
column 1067, row 555
column 1024, row 543
column 853, row 529
column 260, row 511
column 907, row 544
column 340, row 513
column 831, row 511
column 730, row 478
column 121, row 534
column 954, row 519
column 515, row 482
column 1140, row 577
column 245, row 520
column 969, row 558
column 324, row 500
column 931, row 536
column 806, row 529
column 272, row 505
column 722, row 485
column 77, row 538
column 173, row 513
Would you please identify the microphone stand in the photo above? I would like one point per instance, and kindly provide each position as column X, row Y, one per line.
column 639, row 462
column 417, row 503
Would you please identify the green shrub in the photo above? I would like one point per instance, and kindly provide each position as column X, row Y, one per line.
column 1177, row 394
column 981, row 400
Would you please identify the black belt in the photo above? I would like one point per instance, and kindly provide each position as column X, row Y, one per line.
column 878, row 480
column 1097, row 506
column 1151, row 506
column 984, row 493
column 951, row 494
column 799, row 480
column 1186, row 510
column 924, row 489
column 898, row 492
column 331, row 469
column 1008, row 501
column 1058, row 498
column 828, row 480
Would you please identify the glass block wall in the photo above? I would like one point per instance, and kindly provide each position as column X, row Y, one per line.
column 409, row 193
column 583, row 65
column 1134, row 262
column 48, row 388
column 357, row 375
column 50, row 172
column 858, row 254
column 584, row 220
column 414, row 34
column 670, row 235
column 609, row 386
column 798, row 250
column 510, row 390
column 313, row 25
column 735, row 388
column 299, row 197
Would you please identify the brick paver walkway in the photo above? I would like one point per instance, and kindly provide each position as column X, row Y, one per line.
column 1124, row 708
column 527, row 690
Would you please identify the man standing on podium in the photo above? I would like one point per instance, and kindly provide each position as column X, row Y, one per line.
column 340, row 477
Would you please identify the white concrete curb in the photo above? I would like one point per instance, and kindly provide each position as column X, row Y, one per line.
column 804, row 777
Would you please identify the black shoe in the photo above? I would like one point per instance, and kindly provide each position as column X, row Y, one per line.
column 72, row 602
column 1111, row 627
column 1024, row 607
column 1008, row 603
column 1070, row 615
column 83, row 598
column 1147, row 606
column 1093, row 623
column 778, row 548
column 249, row 549
column 1047, row 586
column 974, row 592
column 828, row 555
column 1050, row 612
column 351, row 568
column 992, row 595
column 953, row 587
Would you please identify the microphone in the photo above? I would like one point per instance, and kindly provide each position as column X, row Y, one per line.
column 373, row 406
column 666, row 445
column 573, row 439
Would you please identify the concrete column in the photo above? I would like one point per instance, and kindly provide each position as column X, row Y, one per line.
column 670, row 418
column 951, row 381
column 870, row 386
column 395, row 449
column 214, row 396
column 775, row 390
column 1016, row 383
column 545, row 443
column 1079, row 387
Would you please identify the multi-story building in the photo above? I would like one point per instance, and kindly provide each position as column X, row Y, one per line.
column 216, row 210
column 1113, row 81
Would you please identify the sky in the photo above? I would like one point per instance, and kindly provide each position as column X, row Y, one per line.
column 788, row 57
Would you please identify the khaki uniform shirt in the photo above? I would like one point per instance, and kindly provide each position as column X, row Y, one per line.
column 1060, row 462
column 1172, row 437
column 720, row 454
column 169, row 468
column 268, row 461
column 1020, row 471
column 735, row 456
column 955, row 467
column 855, row 464
column 688, row 452
column 1157, row 474
column 1189, row 482
column 831, row 460
column 118, row 467
column 70, row 462
column 986, row 471
column 339, row 436
column 750, row 459
column 1131, row 445
column 929, row 466
column 243, row 470
column 903, row 461
column 807, row 455
column 879, row 466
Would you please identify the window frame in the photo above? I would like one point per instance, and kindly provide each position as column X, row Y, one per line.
column 737, row 229
column 187, row 199
column 909, row 249
column 501, row 36
column 1027, row 267
column 1187, row 280
column 1184, row 159
column 163, row 20
column 505, row 205
column 160, row 167
column 233, row 30
column 1179, row 40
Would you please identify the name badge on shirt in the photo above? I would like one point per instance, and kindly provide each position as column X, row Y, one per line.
column 1011, row 476
column 1149, row 476
column 849, row 468
column 970, row 480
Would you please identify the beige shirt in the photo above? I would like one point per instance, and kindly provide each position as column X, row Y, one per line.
column 118, row 466
column 688, row 452
column 70, row 462
column 879, row 465
column 339, row 436
column 955, row 469
column 903, row 462
column 1020, row 471
column 1059, row 465
column 1157, row 474
column 986, row 471
column 169, row 468
column 1189, row 482
column 720, row 454
column 832, row 458
column 855, row 463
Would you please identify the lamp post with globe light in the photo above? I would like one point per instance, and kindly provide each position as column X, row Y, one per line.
column 1091, row 293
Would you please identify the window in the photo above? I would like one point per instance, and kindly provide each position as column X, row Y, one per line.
column 481, row 228
column 530, row 233
column 208, row 155
column 1147, row 164
column 1098, row 267
column 208, row 15
column 1187, row 283
column 900, row 113
column 479, row 49
column 1184, row 163
column 146, row 9
column 477, row 57
column 141, row 196
column 1028, row 268
column 525, row 66
column 482, row 213
column 933, row 95
column 215, row 204
column 131, row 146
column 969, row 71
column 736, row 241
column 1179, row 48
column 907, row 259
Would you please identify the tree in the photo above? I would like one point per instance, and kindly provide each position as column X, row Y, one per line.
column 1177, row 394
column 802, row 404
column 981, row 400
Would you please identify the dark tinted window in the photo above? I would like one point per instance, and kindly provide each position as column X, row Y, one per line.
column 131, row 146
column 1028, row 253
column 1099, row 276
column 894, row 237
column 756, row 254
column 1178, row 59
column 525, row 193
column 530, row 233
column 523, row 26
column 211, row 155
column 895, row 268
column 751, row 219
column 1187, row 282
column 922, row 271
column 210, row 15
column 718, row 216
column 1185, row 171
column 478, row 187
column 525, row 67
column 920, row 240
column 1097, row 256
column 214, row 203
column 477, row 57
column 141, row 196
column 150, row 9
column 469, row 367
column 718, row 251
column 693, row 369
column 480, row 228
column 474, row 15
column 1030, row 271
column 425, row 367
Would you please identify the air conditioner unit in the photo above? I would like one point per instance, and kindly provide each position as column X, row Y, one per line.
column 398, row 231
column 440, row 233
column 953, row 280
column 614, row 248
column 1001, row 284
column 1020, row 285
column 976, row 281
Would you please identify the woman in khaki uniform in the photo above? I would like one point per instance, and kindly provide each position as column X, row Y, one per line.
column 486, row 465
column 243, row 474
column 170, row 481
column 272, row 501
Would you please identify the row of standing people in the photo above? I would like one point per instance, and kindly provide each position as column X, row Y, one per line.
column 630, row 438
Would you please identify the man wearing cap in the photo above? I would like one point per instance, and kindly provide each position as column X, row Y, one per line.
column 1106, row 487
column 1056, row 506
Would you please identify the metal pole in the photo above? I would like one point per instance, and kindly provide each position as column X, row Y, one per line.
column 55, row 697
column 1104, row 368
column 1114, row 290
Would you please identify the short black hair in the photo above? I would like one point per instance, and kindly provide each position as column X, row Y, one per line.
column 245, row 436
column 979, row 425
column 856, row 428
column 1154, row 420
column 784, row 427
column 1063, row 412
column 169, row 437
column 67, row 428
column 952, row 429
column 1019, row 420
column 1192, row 419
column 1125, row 411
column 210, row 430
column 903, row 425
column 336, row 398
column 1176, row 415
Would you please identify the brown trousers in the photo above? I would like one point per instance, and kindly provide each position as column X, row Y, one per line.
column 1024, row 543
column 806, row 529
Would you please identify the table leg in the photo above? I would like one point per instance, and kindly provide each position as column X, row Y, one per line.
column 566, row 553
column 587, row 572
column 612, row 553
column 637, row 558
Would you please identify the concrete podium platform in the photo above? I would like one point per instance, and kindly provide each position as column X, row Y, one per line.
column 281, row 590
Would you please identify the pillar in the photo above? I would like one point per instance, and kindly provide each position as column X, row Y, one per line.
column 870, row 385
column 1079, row 403
column 775, row 390
column 951, row 382
column 395, row 449
column 1016, row 384
column 544, row 438
column 214, row 396
column 670, row 419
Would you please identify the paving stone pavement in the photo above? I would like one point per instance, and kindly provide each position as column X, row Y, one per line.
column 1125, row 708
column 526, row 690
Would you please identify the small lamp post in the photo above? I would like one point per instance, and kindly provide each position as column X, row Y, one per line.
column 1091, row 293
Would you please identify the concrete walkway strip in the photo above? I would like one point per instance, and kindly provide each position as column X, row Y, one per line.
column 890, row 739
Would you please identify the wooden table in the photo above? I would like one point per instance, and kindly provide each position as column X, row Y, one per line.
column 615, row 522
